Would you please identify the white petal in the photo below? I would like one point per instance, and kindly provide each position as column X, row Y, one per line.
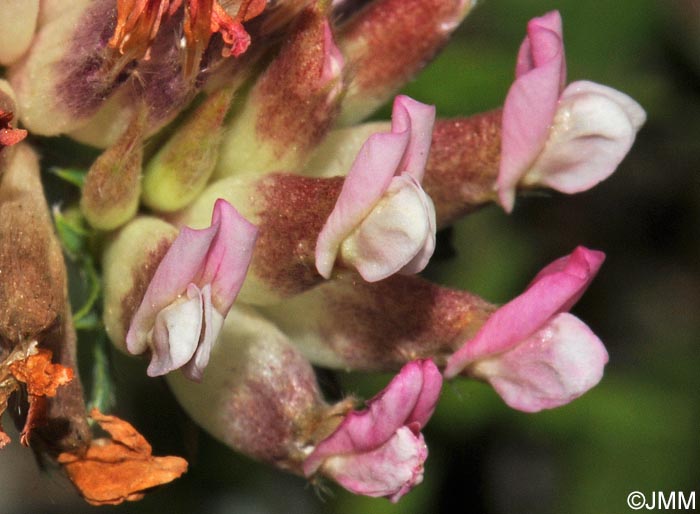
column 592, row 132
column 399, row 232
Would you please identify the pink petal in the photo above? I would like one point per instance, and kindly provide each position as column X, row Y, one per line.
column 180, row 266
column 176, row 333
column 390, row 471
column 382, row 157
column 593, row 130
column 409, row 399
column 554, row 366
column 229, row 256
column 555, row 289
column 531, row 102
column 418, row 118
column 429, row 395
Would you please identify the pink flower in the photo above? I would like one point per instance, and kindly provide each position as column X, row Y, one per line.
column 380, row 451
column 191, row 292
column 566, row 139
column 532, row 351
column 383, row 222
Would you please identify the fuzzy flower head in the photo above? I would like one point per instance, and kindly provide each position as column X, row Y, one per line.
column 236, row 169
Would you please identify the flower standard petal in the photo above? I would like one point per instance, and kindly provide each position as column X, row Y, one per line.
column 369, row 177
column 531, row 102
column 229, row 256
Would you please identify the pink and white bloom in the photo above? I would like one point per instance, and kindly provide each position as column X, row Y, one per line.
column 383, row 222
column 380, row 451
column 531, row 350
column 191, row 292
column 568, row 139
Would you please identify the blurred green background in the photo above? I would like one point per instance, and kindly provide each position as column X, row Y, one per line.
column 639, row 429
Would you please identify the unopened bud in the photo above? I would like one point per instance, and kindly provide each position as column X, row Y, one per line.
column 32, row 273
column 113, row 184
column 291, row 107
column 388, row 42
column 17, row 24
column 33, row 299
column 258, row 396
column 182, row 167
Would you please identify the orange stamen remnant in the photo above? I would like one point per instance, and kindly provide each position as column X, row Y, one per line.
column 8, row 135
column 138, row 22
column 32, row 367
column 119, row 468
column 236, row 38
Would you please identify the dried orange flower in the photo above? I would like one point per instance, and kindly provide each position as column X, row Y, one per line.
column 33, row 367
column 120, row 468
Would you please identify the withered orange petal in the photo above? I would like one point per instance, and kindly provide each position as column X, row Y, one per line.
column 40, row 375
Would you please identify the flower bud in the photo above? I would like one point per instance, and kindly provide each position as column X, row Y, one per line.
column 182, row 167
column 112, row 186
column 292, row 105
column 388, row 42
column 33, row 281
column 17, row 25
column 535, row 354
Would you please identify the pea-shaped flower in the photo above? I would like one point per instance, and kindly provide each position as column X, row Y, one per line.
column 191, row 292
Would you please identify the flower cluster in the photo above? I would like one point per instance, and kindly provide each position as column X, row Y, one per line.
column 252, row 225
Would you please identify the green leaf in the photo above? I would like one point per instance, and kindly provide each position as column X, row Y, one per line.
column 102, row 395
column 71, row 232
column 70, row 175
column 85, row 315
